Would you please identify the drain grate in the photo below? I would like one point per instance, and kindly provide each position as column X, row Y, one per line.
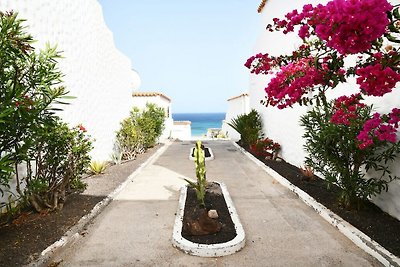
column 231, row 149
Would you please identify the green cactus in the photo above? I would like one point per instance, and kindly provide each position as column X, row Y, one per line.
column 201, row 184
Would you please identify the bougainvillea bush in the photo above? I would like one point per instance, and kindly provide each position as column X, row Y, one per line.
column 344, row 138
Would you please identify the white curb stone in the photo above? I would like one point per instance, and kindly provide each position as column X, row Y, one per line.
column 74, row 233
column 204, row 250
column 359, row 238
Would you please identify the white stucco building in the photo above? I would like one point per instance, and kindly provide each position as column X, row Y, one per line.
column 283, row 125
column 237, row 105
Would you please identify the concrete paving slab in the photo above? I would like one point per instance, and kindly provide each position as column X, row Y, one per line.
column 136, row 228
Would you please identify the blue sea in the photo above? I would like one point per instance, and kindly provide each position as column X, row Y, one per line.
column 201, row 121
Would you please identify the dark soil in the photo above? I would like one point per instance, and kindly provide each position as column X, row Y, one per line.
column 207, row 153
column 212, row 201
column 371, row 220
column 25, row 237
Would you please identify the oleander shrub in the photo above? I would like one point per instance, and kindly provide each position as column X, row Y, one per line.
column 31, row 133
column 58, row 159
column 334, row 151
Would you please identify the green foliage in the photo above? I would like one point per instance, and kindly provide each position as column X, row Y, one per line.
column 151, row 123
column 60, row 158
column 130, row 139
column 116, row 158
column 98, row 167
column 201, row 184
column 249, row 126
column 6, row 170
column 30, row 132
column 140, row 131
column 333, row 151
column 30, row 84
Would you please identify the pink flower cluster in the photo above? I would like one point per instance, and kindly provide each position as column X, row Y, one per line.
column 260, row 63
column 394, row 117
column 377, row 129
column 376, row 79
column 345, row 109
column 349, row 26
column 292, row 82
column 293, row 19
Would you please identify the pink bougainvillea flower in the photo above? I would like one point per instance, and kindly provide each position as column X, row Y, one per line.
column 377, row 80
column 349, row 26
column 345, row 109
column 292, row 82
column 375, row 129
column 259, row 64
column 394, row 117
column 81, row 128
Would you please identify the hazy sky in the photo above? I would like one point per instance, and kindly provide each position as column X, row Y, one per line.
column 192, row 51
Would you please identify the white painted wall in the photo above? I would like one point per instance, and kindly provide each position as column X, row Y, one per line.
column 95, row 72
column 283, row 125
column 236, row 106
column 141, row 101
column 182, row 130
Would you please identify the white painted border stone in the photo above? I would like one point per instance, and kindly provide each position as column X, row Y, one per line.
column 204, row 250
column 359, row 238
column 211, row 157
column 74, row 232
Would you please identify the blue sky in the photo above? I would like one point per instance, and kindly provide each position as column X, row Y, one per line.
column 192, row 51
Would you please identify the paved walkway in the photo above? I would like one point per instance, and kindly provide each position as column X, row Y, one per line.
column 136, row 228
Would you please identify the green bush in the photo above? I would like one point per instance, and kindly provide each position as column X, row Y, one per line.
column 29, row 86
column 249, row 126
column 140, row 131
column 130, row 139
column 60, row 158
column 151, row 123
column 333, row 150
column 30, row 131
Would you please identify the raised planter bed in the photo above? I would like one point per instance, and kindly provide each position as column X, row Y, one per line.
column 208, row 154
column 229, row 240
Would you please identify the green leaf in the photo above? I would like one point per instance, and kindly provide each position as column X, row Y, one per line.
column 396, row 13
column 392, row 38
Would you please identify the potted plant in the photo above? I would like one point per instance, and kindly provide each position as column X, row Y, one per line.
column 206, row 223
